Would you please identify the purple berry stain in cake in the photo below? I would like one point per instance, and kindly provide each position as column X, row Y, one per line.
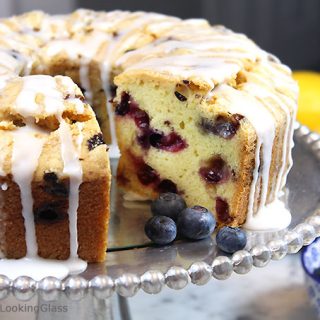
column 113, row 91
column 216, row 171
column 141, row 119
column 148, row 137
column 147, row 175
column 143, row 141
column 167, row 185
column 123, row 107
column 171, row 142
column 223, row 211
column 223, row 126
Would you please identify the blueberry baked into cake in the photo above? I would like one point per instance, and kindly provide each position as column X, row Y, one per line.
column 199, row 110
column 54, row 168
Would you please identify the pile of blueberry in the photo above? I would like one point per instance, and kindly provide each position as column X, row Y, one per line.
column 171, row 216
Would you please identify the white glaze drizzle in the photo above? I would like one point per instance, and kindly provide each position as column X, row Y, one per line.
column 72, row 169
column 266, row 90
column 261, row 92
column 194, row 68
column 244, row 103
column 27, row 147
column 37, row 268
column 271, row 217
column 290, row 145
column 106, row 67
column 88, row 51
column 8, row 62
column 233, row 47
column 105, row 70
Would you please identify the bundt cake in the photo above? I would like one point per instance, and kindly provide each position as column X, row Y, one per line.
column 198, row 110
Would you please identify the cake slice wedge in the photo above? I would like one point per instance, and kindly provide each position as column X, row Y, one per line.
column 223, row 143
column 55, row 175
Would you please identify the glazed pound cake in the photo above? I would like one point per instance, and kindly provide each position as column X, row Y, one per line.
column 199, row 110
column 54, row 172
column 208, row 115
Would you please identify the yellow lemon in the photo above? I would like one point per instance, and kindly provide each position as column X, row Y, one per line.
column 309, row 98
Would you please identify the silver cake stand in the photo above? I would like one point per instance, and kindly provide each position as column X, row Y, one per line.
column 133, row 263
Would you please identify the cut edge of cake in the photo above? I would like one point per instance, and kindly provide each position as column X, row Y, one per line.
column 244, row 187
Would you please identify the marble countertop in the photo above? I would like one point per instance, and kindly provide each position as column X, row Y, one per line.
column 274, row 292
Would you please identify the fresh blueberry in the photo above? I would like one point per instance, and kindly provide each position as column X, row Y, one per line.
column 168, row 204
column 196, row 223
column 161, row 229
column 147, row 174
column 231, row 239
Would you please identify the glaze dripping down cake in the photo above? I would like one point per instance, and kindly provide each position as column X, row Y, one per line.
column 209, row 115
column 195, row 109
column 55, row 172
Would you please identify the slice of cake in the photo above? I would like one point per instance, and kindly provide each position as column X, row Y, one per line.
column 54, row 172
column 217, row 130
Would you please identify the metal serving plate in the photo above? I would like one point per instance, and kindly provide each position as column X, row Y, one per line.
column 133, row 262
